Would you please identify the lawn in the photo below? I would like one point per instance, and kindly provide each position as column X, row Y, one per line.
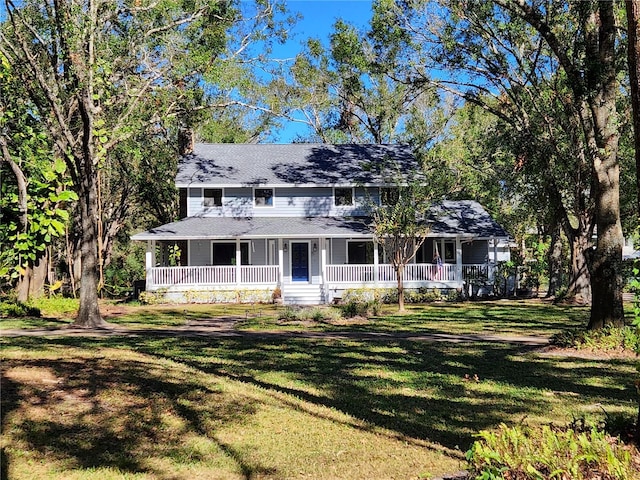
column 162, row 406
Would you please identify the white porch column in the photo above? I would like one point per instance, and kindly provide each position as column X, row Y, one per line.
column 238, row 261
column 323, row 260
column 150, row 262
column 458, row 259
column 376, row 273
column 280, row 263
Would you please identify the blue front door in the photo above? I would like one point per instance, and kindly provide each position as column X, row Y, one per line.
column 299, row 262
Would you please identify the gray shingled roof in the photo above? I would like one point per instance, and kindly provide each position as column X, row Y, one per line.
column 451, row 218
column 291, row 164
column 200, row 228
column 464, row 217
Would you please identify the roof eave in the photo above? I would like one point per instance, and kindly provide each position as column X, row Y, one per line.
column 279, row 185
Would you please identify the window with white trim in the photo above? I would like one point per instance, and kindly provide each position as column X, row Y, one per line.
column 212, row 197
column 263, row 197
column 343, row 197
column 449, row 250
column 224, row 253
column 360, row 252
column 445, row 249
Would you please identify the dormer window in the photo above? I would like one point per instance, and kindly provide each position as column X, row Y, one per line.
column 212, row 197
column 263, row 197
column 343, row 197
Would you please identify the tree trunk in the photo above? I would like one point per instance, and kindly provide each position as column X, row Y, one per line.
column 32, row 280
column 400, row 278
column 579, row 288
column 24, row 281
column 606, row 261
column 633, row 52
column 39, row 276
column 89, row 312
column 555, row 261
column 24, row 284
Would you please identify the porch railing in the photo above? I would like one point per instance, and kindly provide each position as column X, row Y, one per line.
column 350, row 273
column 354, row 274
column 259, row 274
column 479, row 271
column 213, row 275
column 413, row 272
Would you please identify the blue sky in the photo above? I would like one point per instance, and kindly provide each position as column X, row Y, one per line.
column 318, row 17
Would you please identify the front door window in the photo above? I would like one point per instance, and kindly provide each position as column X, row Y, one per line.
column 300, row 261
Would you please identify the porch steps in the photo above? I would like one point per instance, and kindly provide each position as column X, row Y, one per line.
column 302, row 294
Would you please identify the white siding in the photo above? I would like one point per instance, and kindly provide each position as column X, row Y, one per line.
column 238, row 202
column 194, row 202
column 300, row 202
column 199, row 252
column 258, row 252
column 339, row 251
column 287, row 202
column 314, row 260
column 504, row 252
column 309, row 202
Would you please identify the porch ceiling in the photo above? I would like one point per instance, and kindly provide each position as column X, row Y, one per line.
column 203, row 228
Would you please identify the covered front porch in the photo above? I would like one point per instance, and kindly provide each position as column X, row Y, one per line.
column 309, row 269
column 305, row 260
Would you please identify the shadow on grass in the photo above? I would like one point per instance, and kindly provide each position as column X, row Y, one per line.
column 418, row 390
column 33, row 322
column 180, row 315
column 502, row 317
column 104, row 412
column 515, row 317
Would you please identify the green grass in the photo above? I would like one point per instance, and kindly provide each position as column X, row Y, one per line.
column 60, row 312
column 490, row 317
column 272, row 407
column 174, row 315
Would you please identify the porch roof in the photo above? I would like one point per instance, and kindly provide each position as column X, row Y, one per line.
column 465, row 218
column 203, row 228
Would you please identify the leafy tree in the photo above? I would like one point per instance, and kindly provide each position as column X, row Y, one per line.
column 514, row 50
column 398, row 222
column 33, row 204
column 103, row 77
column 348, row 92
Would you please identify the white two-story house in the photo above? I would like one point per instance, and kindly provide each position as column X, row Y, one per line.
column 294, row 219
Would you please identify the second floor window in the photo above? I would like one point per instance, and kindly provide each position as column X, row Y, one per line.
column 263, row 197
column 212, row 197
column 343, row 197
